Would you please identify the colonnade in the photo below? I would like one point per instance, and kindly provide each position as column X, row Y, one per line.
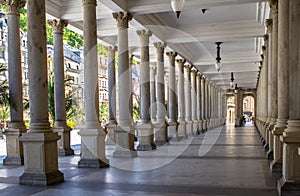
column 194, row 103
column 278, row 117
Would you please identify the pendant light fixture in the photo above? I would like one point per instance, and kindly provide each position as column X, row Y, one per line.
column 177, row 6
column 218, row 58
column 235, row 88
column 231, row 80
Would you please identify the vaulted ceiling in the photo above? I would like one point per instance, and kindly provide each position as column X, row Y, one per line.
column 238, row 24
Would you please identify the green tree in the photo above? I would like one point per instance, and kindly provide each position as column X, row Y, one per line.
column 23, row 19
column 4, row 95
column 104, row 111
column 73, row 38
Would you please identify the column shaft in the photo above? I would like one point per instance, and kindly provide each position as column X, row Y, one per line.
column 187, row 99
column 181, row 102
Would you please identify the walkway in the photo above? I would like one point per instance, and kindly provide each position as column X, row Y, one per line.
column 234, row 165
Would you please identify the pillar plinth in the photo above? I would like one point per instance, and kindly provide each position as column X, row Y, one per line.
column 172, row 95
column 125, row 130
column 181, row 104
column 60, row 125
column 112, row 124
column 16, row 128
column 144, row 126
column 161, row 134
column 92, row 135
column 40, row 142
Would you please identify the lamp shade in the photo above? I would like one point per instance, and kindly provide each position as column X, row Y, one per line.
column 218, row 65
column 177, row 6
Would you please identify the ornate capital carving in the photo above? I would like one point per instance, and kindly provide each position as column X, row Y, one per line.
column 144, row 35
column 181, row 61
column 171, row 54
column 58, row 25
column 274, row 6
column 93, row 2
column 122, row 19
column 13, row 6
column 266, row 39
column 264, row 49
column 269, row 24
column 111, row 50
column 160, row 47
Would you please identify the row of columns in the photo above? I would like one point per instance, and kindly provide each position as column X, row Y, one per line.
column 278, row 94
column 197, row 100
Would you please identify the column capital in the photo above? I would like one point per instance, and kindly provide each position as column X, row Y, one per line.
column 188, row 66
column 264, row 49
column 269, row 24
column 93, row 2
column 181, row 61
column 13, row 6
column 194, row 70
column 111, row 50
column 144, row 35
column 122, row 19
column 160, row 47
column 274, row 6
column 266, row 39
column 58, row 25
column 171, row 54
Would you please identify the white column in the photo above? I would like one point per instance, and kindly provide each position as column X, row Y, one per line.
column 194, row 100
column 16, row 127
column 188, row 100
column 203, row 103
column 111, row 126
column 161, row 134
column 92, row 135
column 40, row 142
column 125, row 130
column 145, row 127
column 181, row 102
column 199, row 102
column 153, row 108
column 60, row 125
column 172, row 95
column 289, row 184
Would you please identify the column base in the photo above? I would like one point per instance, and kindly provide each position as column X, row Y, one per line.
column 92, row 148
column 41, row 179
column 270, row 155
column 276, row 166
column 195, row 127
column 110, row 129
column 161, row 134
column 181, row 132
column 125, row 141
column 64, row 144
column 288, row 188
column 146, row 137
column 189, row 128
column 200, row 127
column 40, row 158
column 15, row 155
column 204, row 125
column 172, row 129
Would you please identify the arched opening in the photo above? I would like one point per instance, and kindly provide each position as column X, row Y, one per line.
column 248, row 109
column 230, row 117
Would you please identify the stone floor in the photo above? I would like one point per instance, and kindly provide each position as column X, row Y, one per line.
column 224, row 161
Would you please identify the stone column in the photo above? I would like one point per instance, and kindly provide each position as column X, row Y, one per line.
column 209, row 111
column 269, row 24
column 182, row 132
column 203, row 103
column 161, row 134
column 264, row 75
column 125, row 130
column 16, row 127
column 40, row 142
column 172, row 95
column 60, row 124
column 194, row 101
column 199, row 103
column 238, row 98
column 131, row 88
column 153, row 109
column 274, row 78
column 92, row 135
column 283, row 82
column 112, row 125
column 289, row 184
column 145, row 127
column 187, row 99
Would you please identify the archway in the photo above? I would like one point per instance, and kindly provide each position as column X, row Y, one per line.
column 230, row 117
column 248, row 109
